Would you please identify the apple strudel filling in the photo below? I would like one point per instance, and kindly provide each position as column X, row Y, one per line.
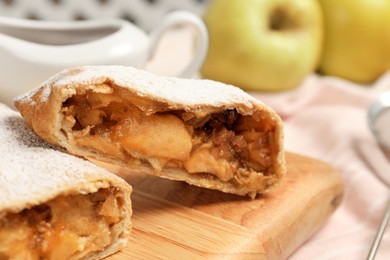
column 223, row 145
column 66, row 227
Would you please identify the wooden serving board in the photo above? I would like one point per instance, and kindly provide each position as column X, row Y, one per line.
column 173, row 220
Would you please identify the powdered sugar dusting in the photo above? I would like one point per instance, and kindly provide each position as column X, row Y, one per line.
column 28, row 97
column 180, row 91
column 31, row 171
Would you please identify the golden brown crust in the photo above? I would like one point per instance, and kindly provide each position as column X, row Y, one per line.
column 42, row 111
column 33, row 173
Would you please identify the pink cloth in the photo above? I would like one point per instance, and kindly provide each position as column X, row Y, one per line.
column 324, row 118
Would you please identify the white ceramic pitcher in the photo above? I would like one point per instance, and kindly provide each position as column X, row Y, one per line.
column 32, row 51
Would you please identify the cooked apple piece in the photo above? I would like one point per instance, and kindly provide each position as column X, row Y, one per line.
column 203, row 161
column 154, row 135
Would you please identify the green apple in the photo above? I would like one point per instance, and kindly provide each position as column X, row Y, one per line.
column 263, row 44
column 357, row 39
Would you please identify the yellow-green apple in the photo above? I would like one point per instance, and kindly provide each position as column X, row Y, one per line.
column 357, row 39
column 263, row 44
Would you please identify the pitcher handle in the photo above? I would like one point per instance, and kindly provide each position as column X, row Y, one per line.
column 183, row 18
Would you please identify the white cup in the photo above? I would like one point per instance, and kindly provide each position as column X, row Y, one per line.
column 32, row 51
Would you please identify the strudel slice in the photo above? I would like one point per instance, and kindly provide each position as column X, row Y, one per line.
column 54, row 205
column 203, row 132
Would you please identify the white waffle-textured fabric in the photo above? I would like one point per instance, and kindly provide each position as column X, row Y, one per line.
column 145, row 13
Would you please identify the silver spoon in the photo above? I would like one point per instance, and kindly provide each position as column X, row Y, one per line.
column 379, row 122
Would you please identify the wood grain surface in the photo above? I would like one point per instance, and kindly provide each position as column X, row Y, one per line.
column 173, row 220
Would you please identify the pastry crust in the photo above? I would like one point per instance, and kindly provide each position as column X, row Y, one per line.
column 51, row 106
column 34, row 176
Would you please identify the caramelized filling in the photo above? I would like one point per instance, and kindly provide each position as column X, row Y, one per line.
column 227, row 145
column 67, row 227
